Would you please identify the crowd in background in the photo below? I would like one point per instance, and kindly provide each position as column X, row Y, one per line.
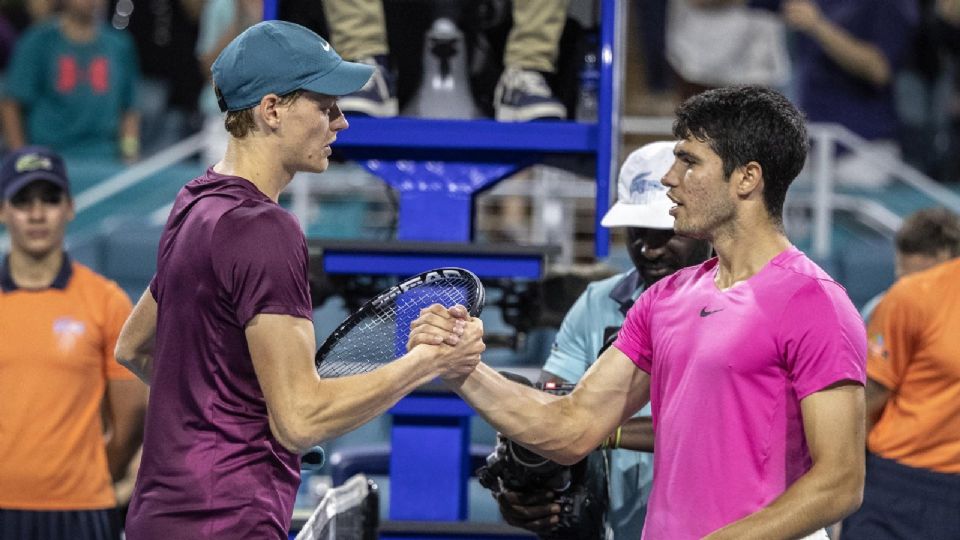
column 117, row 81
column 136, row 75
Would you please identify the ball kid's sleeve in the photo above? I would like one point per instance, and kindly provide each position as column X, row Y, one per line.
column 633, row 339
column 892, row 335
column 260, row 258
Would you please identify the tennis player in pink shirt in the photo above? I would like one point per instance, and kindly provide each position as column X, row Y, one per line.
column 754, row 362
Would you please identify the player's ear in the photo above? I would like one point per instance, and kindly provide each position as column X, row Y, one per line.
column 268, row 111
column 748, row 179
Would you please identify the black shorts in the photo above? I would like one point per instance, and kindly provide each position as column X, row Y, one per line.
column 905, row 502
column 58, row 525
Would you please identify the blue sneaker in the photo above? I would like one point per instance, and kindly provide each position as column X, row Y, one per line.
column 523, row 95
column 378, row 97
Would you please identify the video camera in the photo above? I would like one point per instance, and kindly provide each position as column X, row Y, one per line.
column 579, row 489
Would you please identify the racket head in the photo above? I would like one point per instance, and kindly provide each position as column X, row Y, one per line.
column 377, row 332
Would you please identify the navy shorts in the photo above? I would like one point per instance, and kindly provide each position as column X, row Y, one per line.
column 905, row 502
column 58, row 525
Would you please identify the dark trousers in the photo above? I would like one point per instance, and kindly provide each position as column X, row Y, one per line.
column 901, row 502
column 58, row 525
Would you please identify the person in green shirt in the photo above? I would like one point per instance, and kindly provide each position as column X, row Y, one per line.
column 71, row 87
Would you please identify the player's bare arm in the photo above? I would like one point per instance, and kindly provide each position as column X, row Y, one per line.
column 567, row 428
column 635, row 434
column 833, row 487
column 305, row 409
column 135, row 345
column 564, row 429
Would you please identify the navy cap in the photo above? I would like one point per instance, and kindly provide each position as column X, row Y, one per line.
column 29, row 164
column 279, row 57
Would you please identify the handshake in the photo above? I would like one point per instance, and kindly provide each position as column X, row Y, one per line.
column 554, row 501
column 448, row 337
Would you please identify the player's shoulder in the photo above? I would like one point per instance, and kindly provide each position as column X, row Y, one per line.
column 683, row 279
column 800, row 285
column 792, row 270
column 257, row 226
column 255, row 212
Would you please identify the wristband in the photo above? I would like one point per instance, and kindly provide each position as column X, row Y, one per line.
column 129, row 146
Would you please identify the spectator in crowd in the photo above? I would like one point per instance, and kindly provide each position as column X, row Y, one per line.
column 715, row 43
column 847, row 58
column 358, row 30
column 656, row 71
column 656, row 252
column 912, row 487
column 165, row 34
column 8, row 37
column 61, row 389
column 220, row 22
column 927, row 238
column 71, row 86
column 922, row 94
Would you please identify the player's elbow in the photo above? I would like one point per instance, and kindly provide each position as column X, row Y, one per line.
column 124, row 353
column 291, row 435
column 572, row 452
column 846, row 494
column 852, row 492
column 569, row 458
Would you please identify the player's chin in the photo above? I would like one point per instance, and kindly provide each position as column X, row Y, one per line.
column 317, row 165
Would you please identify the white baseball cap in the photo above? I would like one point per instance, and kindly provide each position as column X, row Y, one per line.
column 641, row 198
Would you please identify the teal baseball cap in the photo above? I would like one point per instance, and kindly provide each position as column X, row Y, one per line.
column 279, row 57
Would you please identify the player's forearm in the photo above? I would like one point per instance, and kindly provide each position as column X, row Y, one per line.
column 328, row 408
column 816, row 500
column 135, row 344
column 550, row 425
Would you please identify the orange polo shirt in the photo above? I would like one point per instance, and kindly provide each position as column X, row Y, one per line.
column 56, row 356
column 914, row 350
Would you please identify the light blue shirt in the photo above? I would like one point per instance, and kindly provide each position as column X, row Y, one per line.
column 217, row 17
column 575, row 349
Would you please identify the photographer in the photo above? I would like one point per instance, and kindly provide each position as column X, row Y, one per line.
column 656, row 252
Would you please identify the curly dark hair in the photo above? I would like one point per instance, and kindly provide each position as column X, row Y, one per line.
column 749, row 123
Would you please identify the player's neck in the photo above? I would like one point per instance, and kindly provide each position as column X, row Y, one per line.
column 30, row 272
column 745, row 250
column 248, row 160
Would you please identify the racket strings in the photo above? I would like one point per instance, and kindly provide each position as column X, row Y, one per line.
column 382, row 335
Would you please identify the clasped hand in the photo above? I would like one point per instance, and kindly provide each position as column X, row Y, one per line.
column 455, row 339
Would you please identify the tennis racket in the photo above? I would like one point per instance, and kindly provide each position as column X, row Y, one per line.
column 377, row 332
